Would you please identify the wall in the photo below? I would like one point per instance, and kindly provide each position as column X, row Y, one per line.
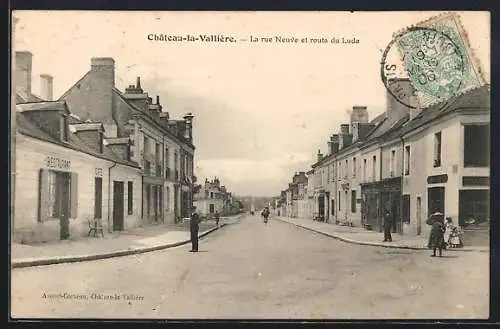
column 31, row 157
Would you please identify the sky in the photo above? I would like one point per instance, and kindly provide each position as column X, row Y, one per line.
column 262, row 110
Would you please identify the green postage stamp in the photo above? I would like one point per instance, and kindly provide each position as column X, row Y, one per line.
column 438, row 59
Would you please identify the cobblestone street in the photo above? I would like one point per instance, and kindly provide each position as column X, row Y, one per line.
column 253, row 270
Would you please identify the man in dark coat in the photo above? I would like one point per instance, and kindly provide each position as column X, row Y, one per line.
column 387, row 225
column 194, row 226
column 436, row 238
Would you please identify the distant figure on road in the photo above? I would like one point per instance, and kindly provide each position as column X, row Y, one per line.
column 194, row 226
column 265, row 214
column 217, row 218
column 387, row 225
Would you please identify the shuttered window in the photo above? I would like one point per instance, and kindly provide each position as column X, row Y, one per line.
column 98, row 198
column 130, row 196
column 52, row 193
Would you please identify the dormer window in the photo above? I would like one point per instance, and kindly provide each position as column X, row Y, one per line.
column 64, row 128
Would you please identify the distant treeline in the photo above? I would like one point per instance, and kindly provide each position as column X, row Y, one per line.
column 258, row 202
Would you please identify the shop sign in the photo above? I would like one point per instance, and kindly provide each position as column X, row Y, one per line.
column 436, row 179
column 57, row 163
column 98, row 172
column 475, row 181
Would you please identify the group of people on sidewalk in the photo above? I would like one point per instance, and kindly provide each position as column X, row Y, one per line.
column 443, row 235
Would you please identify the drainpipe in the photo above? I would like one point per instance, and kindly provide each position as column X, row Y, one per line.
column 109, row 196
column 402, row 179
column 163, row 167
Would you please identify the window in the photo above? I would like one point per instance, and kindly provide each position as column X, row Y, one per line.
column 328, row 172
column 211, row 208
column 353, row 201
column 476, row 145
column 64, row 128
column 339, row 201
column 211, row 195
column 407, row 159
column 98, row 197
column 146, row 145
column 406, row 208
column 354, row 167
column 57, row 194
column 374, row 168
column 437, row 149
column 339, row 170
column 364, row 169
column 393, row 162
column 130, row 195
column 346, row 168
column 333, row 207
column 158, row 153
column 101, row 142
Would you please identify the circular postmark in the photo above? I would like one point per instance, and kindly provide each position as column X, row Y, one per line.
column 422, row 66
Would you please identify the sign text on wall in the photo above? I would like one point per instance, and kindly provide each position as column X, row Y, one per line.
column 98, row 172
column 53, row 162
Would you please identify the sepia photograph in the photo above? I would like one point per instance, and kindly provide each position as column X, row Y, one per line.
column 323, row 165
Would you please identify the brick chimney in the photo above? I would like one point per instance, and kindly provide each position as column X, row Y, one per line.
column 334, row 143
column 104, row 67
column 47, row 87
column 344, row 137
column 359, row 114
column 319, row 156
column 24, row 61
column 119, row 146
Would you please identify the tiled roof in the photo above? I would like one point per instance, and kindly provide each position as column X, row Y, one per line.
column 476, row 98
column 27, row 127
column 43, row 106
column 23, row 98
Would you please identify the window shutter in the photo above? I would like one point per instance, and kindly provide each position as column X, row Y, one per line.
column 43, row 195
column 74, row 195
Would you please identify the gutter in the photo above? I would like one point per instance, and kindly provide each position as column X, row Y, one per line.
column 109, row 196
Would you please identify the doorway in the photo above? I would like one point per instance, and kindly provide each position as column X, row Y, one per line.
column 321, row 206
column 118, row 204
column 63, row 189
column 435, row 200
column 419, row 215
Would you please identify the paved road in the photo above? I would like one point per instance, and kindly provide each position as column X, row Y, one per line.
column 250, row 270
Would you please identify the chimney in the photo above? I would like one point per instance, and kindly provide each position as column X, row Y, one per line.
column 395, row 108
column 157, row 99
column 119, row 146
column 91, row 133
column 319, row 156
column 46, row 84
column 105, row 67
column 359, row 114
column 355, row 131
column 344, row 129
column 334, row 139
column 417, row 108
column 138, row 84
column 24, row 61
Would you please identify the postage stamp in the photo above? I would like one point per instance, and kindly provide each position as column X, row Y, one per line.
column 437, row 59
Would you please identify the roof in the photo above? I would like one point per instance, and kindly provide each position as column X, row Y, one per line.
column 23, row 98
column 138, row 110
column 43, row 106
column 74, row 85
column 82, row 126
column 28, row 127
column 475, row 98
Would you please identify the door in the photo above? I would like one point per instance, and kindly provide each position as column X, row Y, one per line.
column 321, row 206
column 118, row 204
column 155, row 203
column 176, row 202
column 160, row 203
column 435, row 200
column 419, row 215
column 327, row 205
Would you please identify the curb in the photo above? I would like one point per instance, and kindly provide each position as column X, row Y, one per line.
column 119, row 253
column 376, row 244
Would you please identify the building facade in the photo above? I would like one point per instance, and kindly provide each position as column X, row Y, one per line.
column 162, row 147
column 410, row 161
column 212, row 197
column 66, row 176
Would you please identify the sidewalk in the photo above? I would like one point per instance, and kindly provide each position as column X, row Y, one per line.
column 362, row 236
column 133, row 241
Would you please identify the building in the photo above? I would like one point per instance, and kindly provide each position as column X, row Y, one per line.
column 66, row 175
column 409, row 160
column 213, row 197
column 162, row 147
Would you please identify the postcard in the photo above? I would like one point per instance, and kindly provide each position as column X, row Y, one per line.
column 250, row 165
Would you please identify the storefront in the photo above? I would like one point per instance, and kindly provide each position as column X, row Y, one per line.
column 376, row 197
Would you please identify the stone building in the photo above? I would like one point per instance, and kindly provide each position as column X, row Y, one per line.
column 411, row 161
column 213, row 197
column 66, row 175
column 162, row 147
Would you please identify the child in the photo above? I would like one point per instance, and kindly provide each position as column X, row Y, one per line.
column 448, row 229
column 456, row 238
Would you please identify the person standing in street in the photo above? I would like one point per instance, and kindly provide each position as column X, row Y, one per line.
column 387, row 225
column 436, row 238
column 217, row 217
column 194, row 226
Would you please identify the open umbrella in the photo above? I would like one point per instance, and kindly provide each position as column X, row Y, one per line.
column 434, row 217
